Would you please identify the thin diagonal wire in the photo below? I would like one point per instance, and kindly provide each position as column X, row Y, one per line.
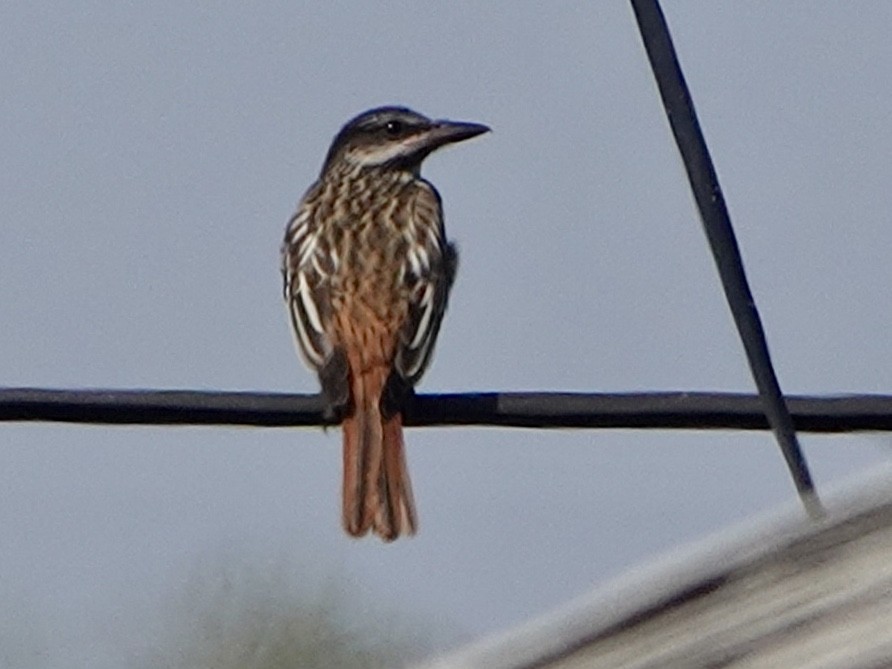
column 717, row 225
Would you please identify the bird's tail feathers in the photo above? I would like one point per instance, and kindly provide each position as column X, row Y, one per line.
column 377, row 494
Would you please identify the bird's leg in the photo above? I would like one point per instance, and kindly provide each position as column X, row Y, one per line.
column 397, row 393
column 334, row 376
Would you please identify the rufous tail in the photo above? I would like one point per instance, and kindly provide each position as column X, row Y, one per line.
column 377, row 492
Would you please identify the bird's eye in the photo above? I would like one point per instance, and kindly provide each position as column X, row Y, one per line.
column 394, row 128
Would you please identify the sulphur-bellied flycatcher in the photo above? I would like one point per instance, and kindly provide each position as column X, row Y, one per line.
column 367, row 271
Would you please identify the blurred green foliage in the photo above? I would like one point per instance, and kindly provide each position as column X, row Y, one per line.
column 242, row 617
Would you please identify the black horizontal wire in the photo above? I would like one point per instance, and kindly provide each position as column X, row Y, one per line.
column 653, row 410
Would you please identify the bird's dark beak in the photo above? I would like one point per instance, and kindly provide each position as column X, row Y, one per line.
column 449, row 132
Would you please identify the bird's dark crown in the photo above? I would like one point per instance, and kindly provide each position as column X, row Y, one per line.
column 395, row 137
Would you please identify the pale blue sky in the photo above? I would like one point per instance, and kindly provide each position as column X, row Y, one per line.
column 153, row 152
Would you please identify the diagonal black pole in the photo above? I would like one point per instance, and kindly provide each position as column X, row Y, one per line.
column 717, row 224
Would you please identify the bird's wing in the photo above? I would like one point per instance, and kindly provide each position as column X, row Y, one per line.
column 306, row 269
column 428, row 272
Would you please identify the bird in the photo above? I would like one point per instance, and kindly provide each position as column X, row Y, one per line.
column 367, row 272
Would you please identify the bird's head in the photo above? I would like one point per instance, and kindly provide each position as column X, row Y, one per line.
column 394, row 137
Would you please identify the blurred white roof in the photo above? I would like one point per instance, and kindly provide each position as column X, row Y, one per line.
column 780, row 591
